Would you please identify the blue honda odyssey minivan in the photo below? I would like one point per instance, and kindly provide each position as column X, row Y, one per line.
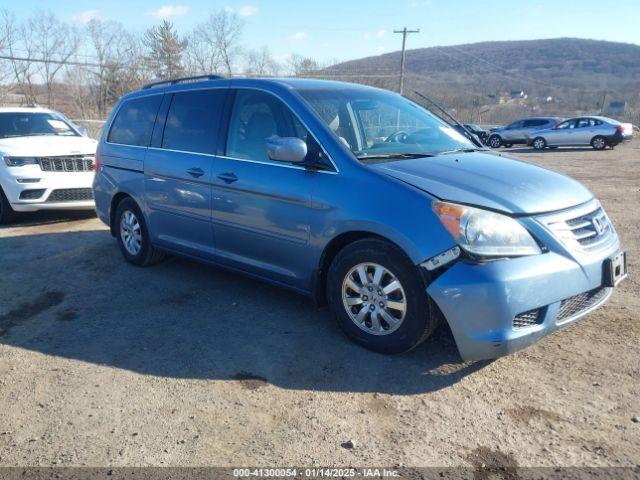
column 360, row 198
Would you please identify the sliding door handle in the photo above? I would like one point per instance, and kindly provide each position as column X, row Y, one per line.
column 195, row 172
column 228, row 177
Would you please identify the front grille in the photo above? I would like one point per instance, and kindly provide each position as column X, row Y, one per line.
column 528, row 319
column 573, row 306
column 68, row 163
column 31, row 194
column 71, row 195
column 585, row 228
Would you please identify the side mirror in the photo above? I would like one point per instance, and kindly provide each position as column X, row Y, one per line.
column 286, row 149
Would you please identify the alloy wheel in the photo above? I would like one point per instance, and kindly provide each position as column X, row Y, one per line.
column 130, row 232
column 599, row 143
column 374, row 298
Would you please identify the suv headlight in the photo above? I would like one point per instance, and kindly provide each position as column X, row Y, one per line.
column 20, row 161
column 484, row 233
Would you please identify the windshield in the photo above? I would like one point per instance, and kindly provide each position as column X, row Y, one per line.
column 379, row 124
column 30, row 124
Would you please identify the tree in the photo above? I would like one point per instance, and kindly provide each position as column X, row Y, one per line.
column 23, row 70
column 216, row 43
column 261, row 62
column 54, row 42
column 116, row 51
column 300, row 66
column 6, row 39
column 165, row 49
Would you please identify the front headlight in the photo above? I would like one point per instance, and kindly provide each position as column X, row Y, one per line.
column 20, row 161
column 484, row 233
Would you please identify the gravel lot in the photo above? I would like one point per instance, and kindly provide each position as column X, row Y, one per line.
column 106, row 364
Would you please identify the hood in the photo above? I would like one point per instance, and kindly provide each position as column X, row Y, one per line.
column 43, row 146
column 490, row 181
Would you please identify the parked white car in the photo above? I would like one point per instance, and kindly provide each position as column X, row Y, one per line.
column 46, row 163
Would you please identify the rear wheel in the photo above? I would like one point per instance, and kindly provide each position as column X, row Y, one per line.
column 378, row 297
column 133, row 236
column 539, row 143
column 598, row 143
column 7, row 214
column 495, row 141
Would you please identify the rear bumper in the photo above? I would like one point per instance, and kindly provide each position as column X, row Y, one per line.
column 618, row 138
column 480, row 301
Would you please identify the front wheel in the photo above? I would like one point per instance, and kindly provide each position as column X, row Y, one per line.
column 378, row 297
column 495, row 141
column 539, row 143
column 598, row 143
column 133, row 235
column 7, row 214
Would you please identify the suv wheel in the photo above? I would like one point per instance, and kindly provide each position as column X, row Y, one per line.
column 7, row 214
column 598, row 143
column 539, row 143
column 133, row 236
column 378, row 297
column 494, row 141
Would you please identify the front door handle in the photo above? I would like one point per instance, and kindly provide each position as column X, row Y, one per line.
column 195, row 172
column 228, row 177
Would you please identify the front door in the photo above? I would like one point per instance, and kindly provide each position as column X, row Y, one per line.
column 262, row 208
column 562, row 134
column 178, row 172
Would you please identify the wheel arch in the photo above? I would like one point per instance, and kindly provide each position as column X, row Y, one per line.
column 115, row 201
column 332, row 248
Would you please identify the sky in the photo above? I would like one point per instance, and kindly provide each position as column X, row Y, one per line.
column 343, row 29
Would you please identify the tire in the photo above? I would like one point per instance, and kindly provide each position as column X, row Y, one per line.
column 539, row 143
column 130, row 223
column 412, row 326
column 495, row 141
column 7, row 214
column 599, row 142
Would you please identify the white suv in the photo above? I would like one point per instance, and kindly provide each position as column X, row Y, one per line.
column 46, row 163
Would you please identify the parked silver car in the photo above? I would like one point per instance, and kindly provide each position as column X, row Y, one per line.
column 518, row 132
column 599, row 132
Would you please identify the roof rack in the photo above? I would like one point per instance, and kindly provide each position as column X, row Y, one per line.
column 175, row 81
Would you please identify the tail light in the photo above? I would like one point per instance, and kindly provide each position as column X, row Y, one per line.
column 620, row 129
column 96, row 163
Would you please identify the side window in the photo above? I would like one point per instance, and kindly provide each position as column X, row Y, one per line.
column 256, row 117
column 567, row 124
column 193, row 121
column 134, row 122
column 515, row 125
column 583, row 122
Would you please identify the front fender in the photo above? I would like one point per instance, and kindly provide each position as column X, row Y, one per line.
column 369, row 201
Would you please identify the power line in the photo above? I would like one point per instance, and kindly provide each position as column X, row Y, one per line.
column 57, row 62
column 404, row 33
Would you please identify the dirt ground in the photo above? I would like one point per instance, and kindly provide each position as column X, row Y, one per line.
column 106, row 364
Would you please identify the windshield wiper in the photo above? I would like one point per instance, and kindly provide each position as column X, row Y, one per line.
column 377, row 156
column 461, row 150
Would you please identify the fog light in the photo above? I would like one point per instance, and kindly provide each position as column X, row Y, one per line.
column 441, row 259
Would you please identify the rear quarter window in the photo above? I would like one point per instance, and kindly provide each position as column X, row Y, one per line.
column 134, row 121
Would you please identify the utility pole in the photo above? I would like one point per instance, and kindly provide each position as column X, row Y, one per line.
column 404, row 33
